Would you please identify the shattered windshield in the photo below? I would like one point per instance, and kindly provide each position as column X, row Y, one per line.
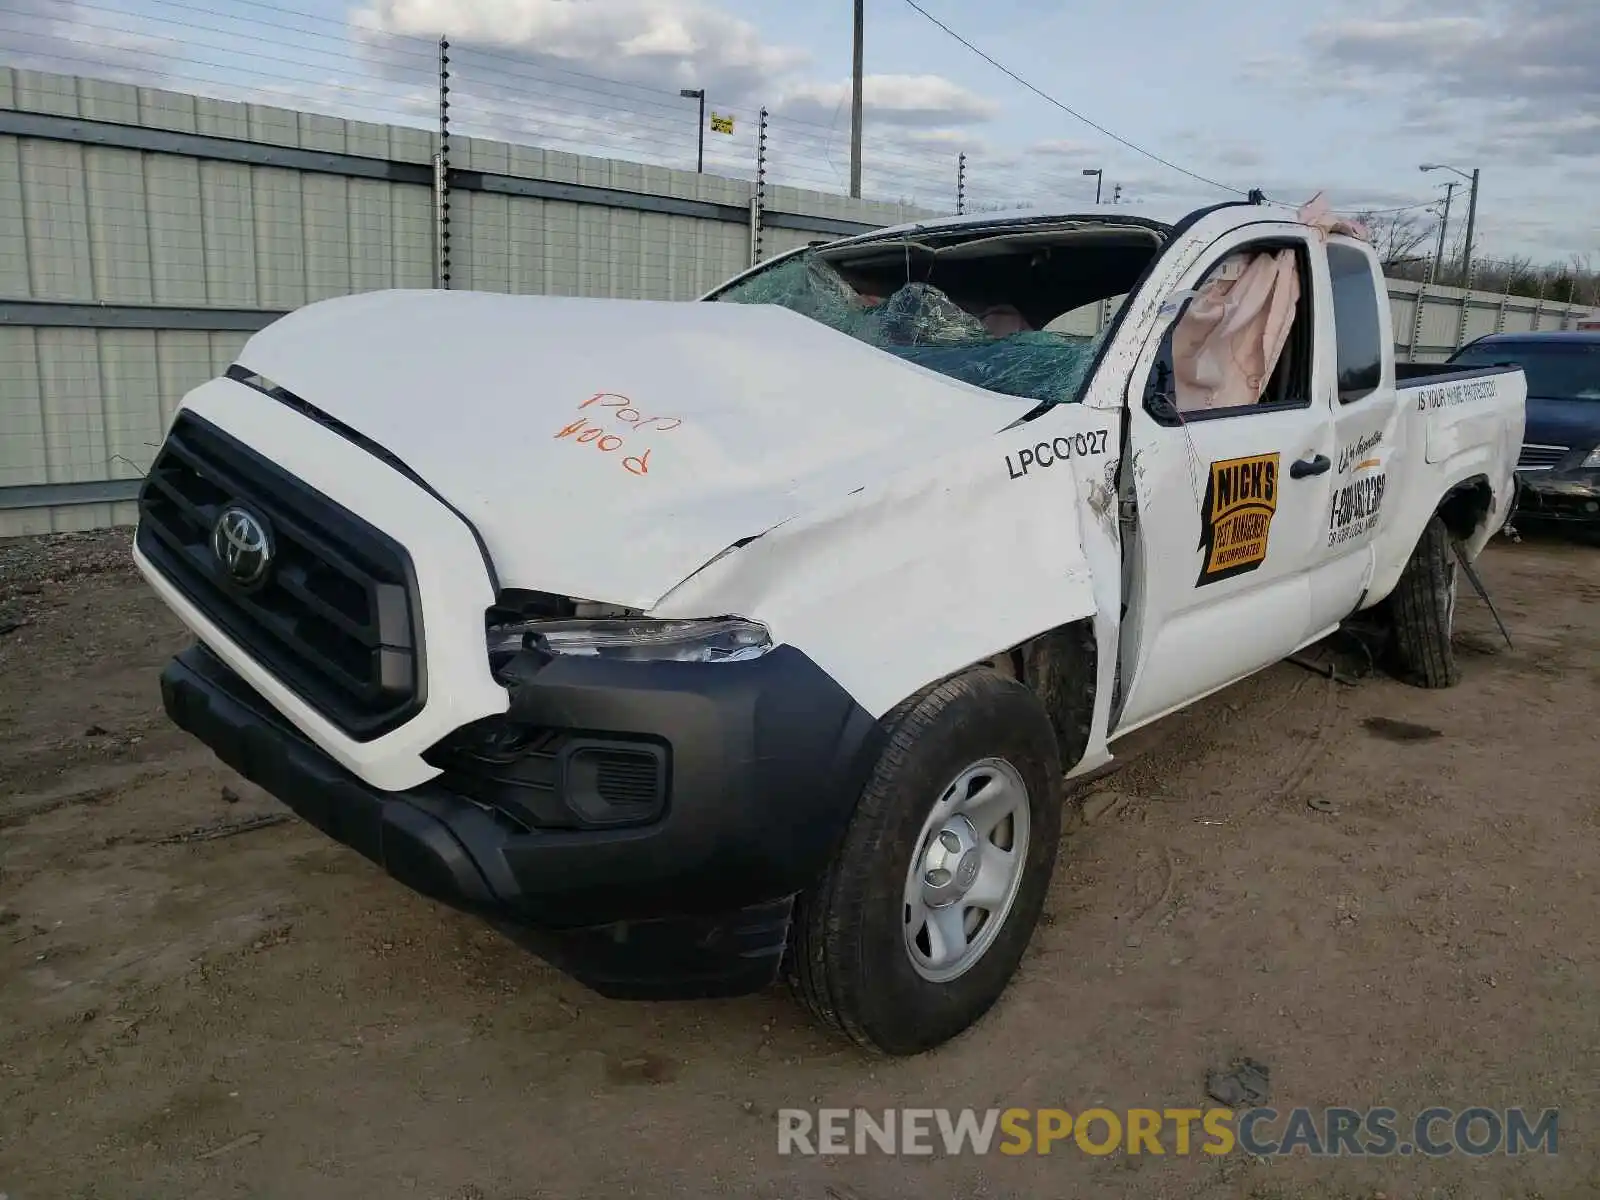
column 970, row 339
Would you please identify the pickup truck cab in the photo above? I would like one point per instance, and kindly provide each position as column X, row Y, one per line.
column 1559, row 466
column 699, row 644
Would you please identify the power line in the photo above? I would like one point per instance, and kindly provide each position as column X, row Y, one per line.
column 495, row 86
column 512, row 102
column 1114, row 136
column 1072, row 112
column 517, row 68
column 425, row 55
column 1379, row 212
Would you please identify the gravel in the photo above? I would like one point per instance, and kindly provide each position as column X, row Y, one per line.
column 33, row 569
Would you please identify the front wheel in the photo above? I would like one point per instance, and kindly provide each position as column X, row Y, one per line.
column 1422, row 612
column 919, row 922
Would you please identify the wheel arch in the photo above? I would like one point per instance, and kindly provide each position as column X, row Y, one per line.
column 1466, row 506
column 1061, row 668
column 1466, row 510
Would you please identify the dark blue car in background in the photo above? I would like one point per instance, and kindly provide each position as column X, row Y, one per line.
column 1559, row 467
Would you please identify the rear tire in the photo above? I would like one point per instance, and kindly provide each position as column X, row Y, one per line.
column 1422, row 612
column 977, row 740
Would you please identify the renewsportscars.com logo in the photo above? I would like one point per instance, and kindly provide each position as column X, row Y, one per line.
column 1263, row 1132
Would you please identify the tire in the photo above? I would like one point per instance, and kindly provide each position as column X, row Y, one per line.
column 1422, row 612
column 852, row 961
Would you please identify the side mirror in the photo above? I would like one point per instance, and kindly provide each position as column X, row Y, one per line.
column 1160, row 399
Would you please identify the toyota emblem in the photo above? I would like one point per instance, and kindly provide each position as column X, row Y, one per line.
column 243, row 546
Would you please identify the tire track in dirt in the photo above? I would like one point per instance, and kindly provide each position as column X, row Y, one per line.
column 274, row 1002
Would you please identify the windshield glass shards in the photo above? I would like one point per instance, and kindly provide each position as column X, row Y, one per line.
column 969, row 334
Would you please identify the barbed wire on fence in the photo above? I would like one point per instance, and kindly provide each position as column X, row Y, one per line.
column 339, row 66
column 500, row 94
column 106, row 227
column 496, row 95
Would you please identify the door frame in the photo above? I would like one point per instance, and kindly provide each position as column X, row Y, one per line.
column 1136, row 636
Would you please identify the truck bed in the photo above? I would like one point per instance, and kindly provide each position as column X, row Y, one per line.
column 1410, row 375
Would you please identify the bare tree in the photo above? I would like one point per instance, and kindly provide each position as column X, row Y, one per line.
column 1401, row 239
column 1405, row 244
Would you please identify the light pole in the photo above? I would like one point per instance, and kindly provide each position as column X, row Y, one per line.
column 700, row 146
column 855, row 99
column 1472, row 212
column 1098, row 176
column 1444, row 223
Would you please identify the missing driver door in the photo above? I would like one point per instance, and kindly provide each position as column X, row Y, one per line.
column 1230, row 490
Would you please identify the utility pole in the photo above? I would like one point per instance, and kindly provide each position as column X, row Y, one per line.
column 700, row 146
column 1116, row 194
column 961, row 185
column 1472, row 216
column 855, row 100
column 1444, row 223
column 1472, row 210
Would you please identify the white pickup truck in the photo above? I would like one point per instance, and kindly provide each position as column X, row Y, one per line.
column 700, row 644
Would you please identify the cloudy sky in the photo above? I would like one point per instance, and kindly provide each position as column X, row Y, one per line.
column 1324, row 94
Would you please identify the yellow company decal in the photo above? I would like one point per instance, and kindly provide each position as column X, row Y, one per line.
column 1241, row 498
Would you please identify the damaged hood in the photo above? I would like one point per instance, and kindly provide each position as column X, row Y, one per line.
column 607, row 449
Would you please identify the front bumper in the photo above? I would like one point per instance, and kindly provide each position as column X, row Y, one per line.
column 767, row 758
column 1571, row 495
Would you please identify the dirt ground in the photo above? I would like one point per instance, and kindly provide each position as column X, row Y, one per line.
column 267, row 1015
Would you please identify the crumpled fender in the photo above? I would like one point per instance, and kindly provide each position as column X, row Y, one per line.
column 936, row 566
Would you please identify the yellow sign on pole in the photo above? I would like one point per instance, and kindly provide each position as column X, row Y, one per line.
column 721, row 124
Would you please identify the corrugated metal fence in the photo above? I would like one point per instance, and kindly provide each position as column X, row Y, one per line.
column 145, row 234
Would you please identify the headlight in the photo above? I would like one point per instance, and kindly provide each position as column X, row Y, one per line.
column 722, row 639
column 1592, row 463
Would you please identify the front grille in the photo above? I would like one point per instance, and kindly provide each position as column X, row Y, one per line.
column 332, row 618
column 553, row 778
column 1540, row 458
